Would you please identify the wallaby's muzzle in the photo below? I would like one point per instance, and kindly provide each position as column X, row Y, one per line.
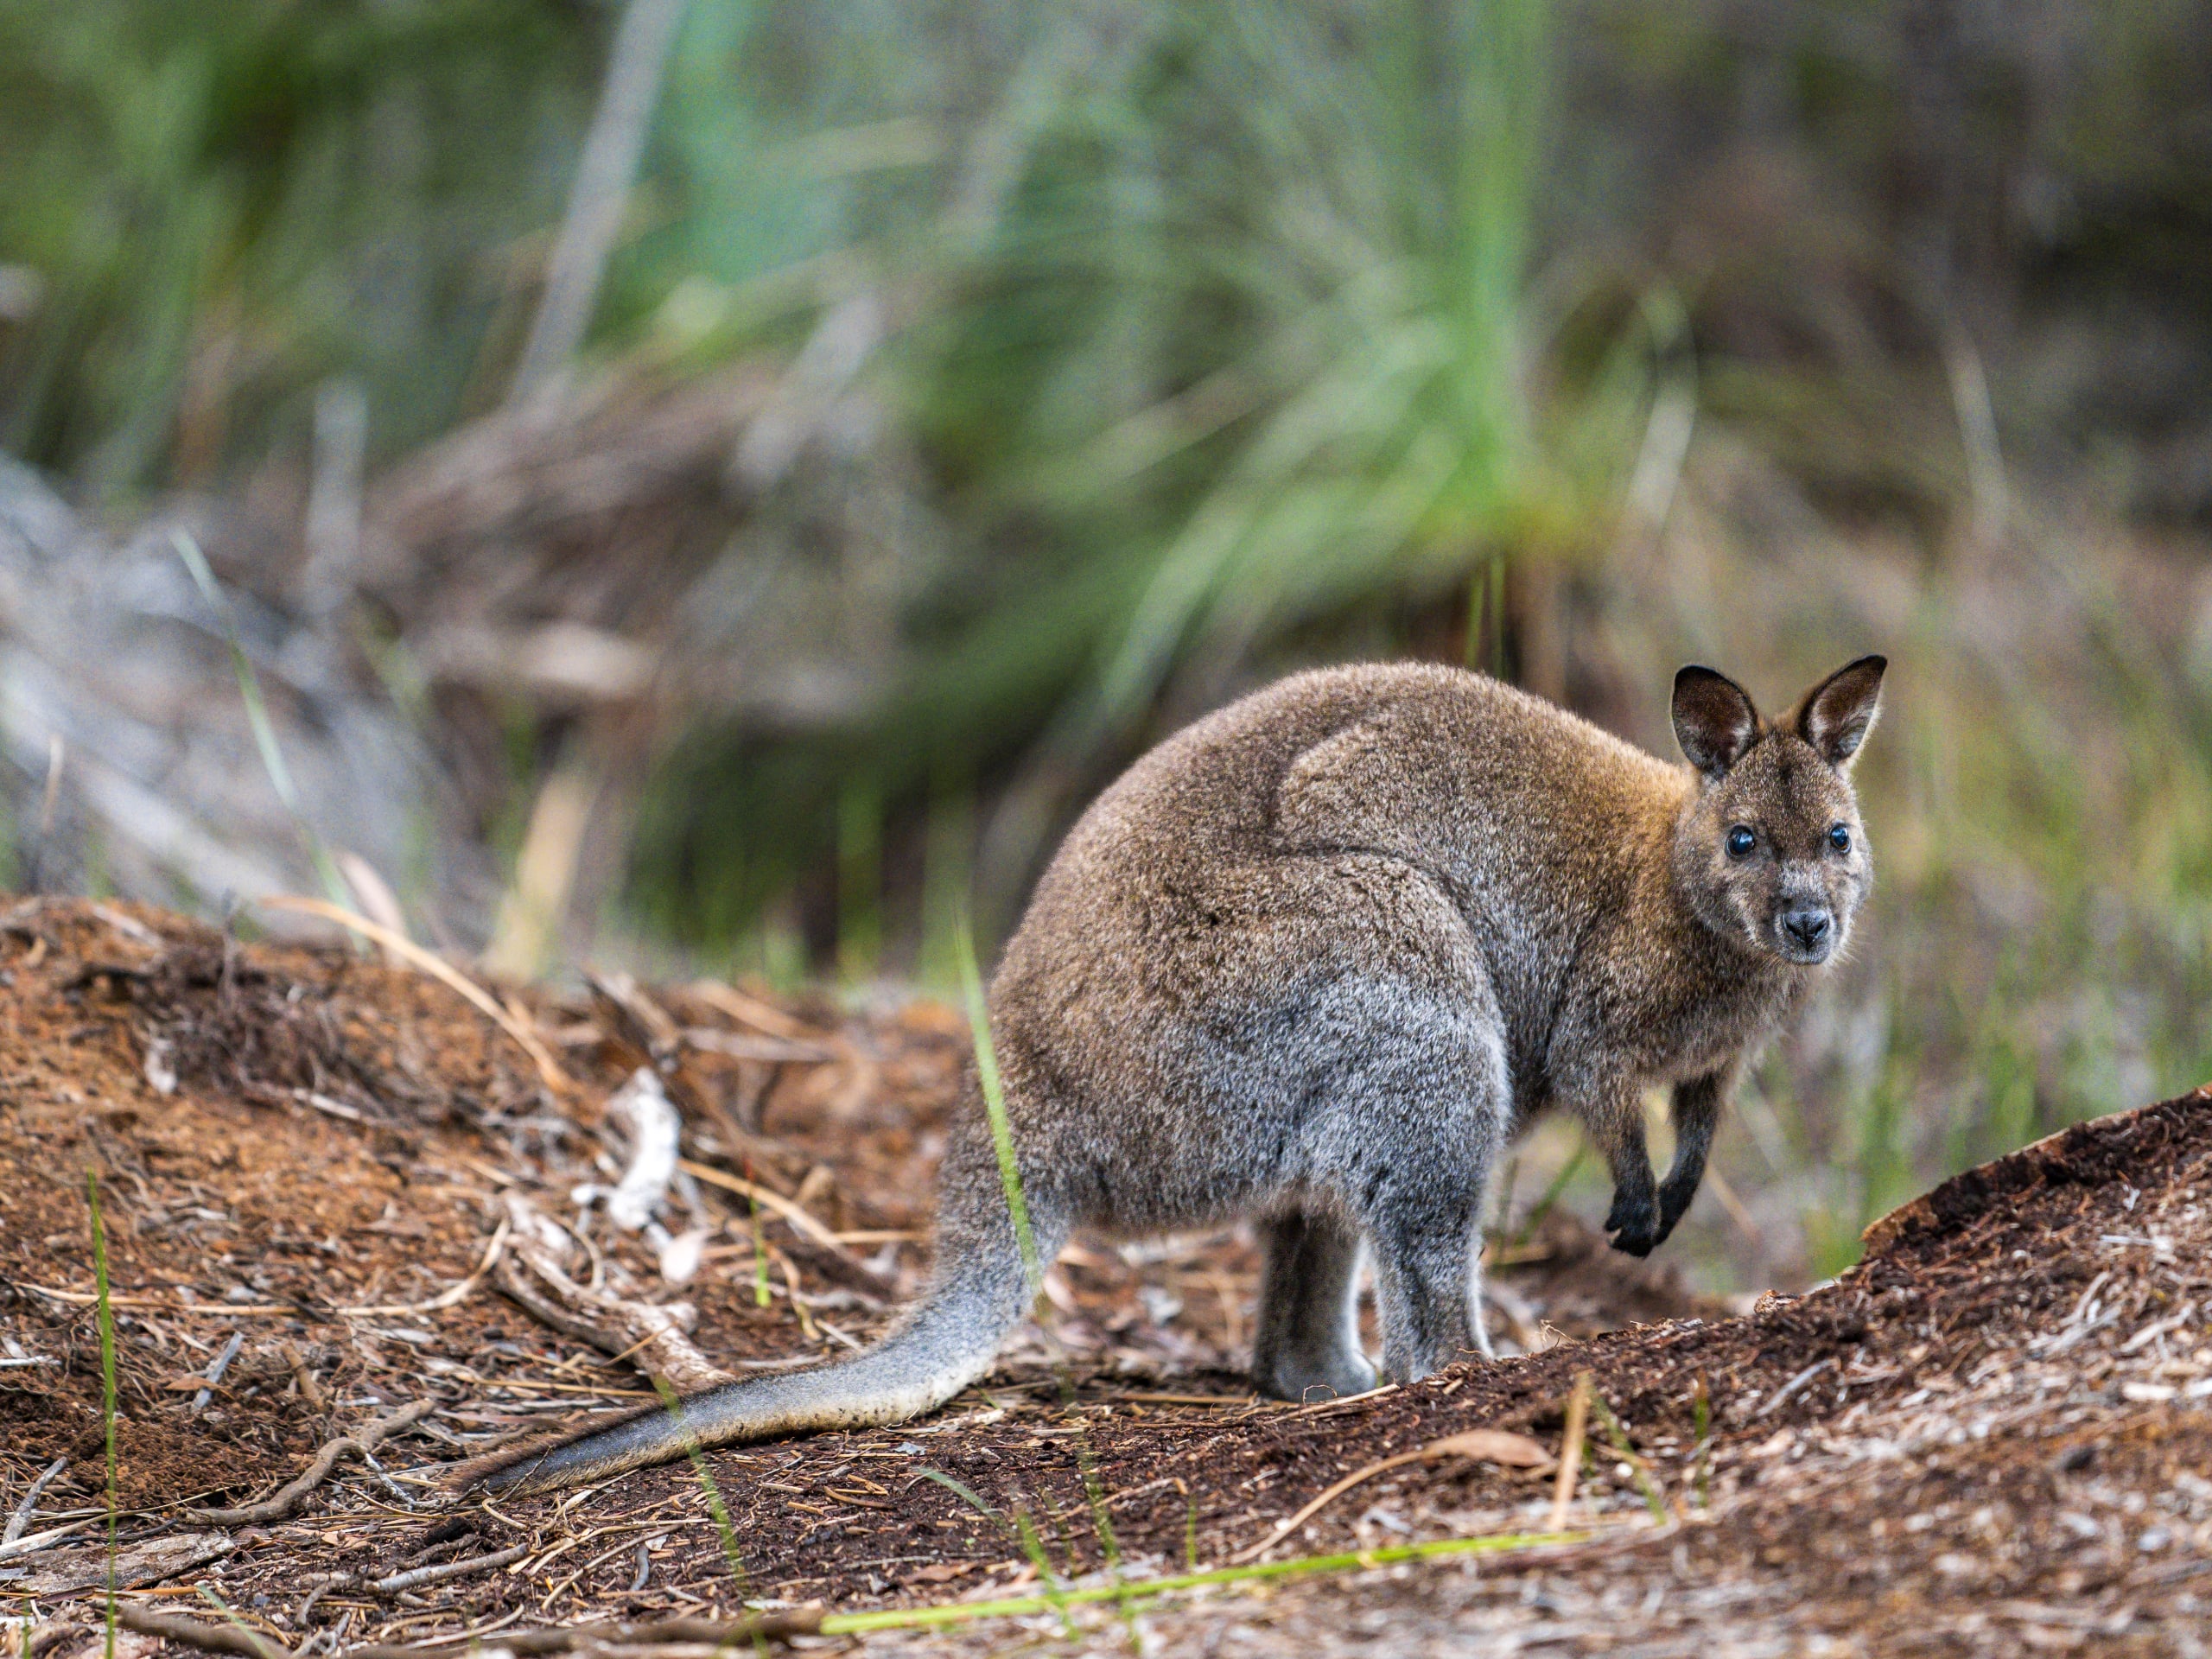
column 1808, row 934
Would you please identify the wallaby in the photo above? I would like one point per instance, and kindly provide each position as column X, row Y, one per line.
column 1317, row 959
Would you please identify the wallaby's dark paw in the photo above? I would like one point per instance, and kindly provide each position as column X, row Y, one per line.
column 1633, row 1224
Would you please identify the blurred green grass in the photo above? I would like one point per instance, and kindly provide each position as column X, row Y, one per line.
column 1574, row 341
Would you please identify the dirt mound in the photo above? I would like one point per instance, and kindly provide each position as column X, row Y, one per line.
column 1992, row 1430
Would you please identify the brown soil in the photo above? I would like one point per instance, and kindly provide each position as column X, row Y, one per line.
column 1996, row 1432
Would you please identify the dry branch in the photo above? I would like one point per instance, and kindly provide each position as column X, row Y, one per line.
column 394, row 1583
column 1487, row 1445
column 453, row 1295
column 198, row 1633
column 289, row 1498
column 549, row 1069
column 653, row 1336
column 1570, row 1450
column 28, row 1507
column 766, row 1199
column 796, row 1621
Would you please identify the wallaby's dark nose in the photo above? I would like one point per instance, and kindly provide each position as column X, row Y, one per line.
column 1806, row 928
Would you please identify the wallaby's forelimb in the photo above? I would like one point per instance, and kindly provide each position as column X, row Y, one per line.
column 1617, row 1127
column 1696, row 1112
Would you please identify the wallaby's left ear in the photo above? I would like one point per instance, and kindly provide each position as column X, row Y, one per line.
column 1837, row 714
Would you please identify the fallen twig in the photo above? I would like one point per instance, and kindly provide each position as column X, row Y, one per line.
column 453, row 1294
column 39, row 1541
column 220, row 1365
column 1489, row 1445
column 795, row 1621
column 1570, row 1450
column 393, row 1584
column 286, row 1499
column 736, row 1046
column 162, row 1305
column 652, row 1336
column 1343, row 1402
column 272, row 1310
column 198, row 1633
column 22, row 1518
column 769, row 1199
column 750, row 1011
column 1792, row 1386
column 303, row 1375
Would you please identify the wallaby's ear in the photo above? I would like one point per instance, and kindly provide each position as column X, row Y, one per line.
column 1715, row 720
column 1837, row 714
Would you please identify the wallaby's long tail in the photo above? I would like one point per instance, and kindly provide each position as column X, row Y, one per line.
column 947, row 1341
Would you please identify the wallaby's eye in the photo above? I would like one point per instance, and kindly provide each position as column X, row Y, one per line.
column 1839, row 838
column 1741, row 841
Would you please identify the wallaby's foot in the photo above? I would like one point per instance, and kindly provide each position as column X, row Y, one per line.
column 1306, row 1346
column 1308, row 1378
column 1634, row 1223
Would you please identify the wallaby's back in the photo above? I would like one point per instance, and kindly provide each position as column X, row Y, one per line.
column 1199, row 883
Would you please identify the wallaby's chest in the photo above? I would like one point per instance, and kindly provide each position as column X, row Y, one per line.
column 1666, row 1015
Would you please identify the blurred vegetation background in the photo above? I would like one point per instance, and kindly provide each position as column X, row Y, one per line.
column 972, row 394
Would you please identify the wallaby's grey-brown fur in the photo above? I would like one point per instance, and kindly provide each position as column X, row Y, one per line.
column 1317, row 959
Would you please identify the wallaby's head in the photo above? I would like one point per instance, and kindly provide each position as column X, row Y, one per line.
column 1771, row 850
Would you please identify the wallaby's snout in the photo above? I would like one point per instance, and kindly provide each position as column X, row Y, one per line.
column 1808, row 934
column 1809, row 929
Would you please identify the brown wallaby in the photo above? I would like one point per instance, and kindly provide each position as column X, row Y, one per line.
column 1317, row 959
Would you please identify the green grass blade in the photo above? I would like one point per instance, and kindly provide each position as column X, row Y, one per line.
column 1543, row 1205
column 257, row 716
column 1026, row 1606
column 759, row 1244
column 965, row 1493
column 716, row 1506
column 987, row 1075
column 1644, row 1479
column 1033, row 1545
column 106, row 1319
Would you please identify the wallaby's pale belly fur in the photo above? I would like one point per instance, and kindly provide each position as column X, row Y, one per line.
column 1316, row 959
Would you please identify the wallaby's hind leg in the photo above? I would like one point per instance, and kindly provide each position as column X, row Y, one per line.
column 1425, row 1280
column 1307, row 1346
column 1433, row 1134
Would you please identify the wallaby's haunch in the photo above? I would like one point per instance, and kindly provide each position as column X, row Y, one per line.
column 1317, row 959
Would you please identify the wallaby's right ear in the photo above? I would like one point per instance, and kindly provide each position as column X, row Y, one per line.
column 1837, row 712
column 1714, row 719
